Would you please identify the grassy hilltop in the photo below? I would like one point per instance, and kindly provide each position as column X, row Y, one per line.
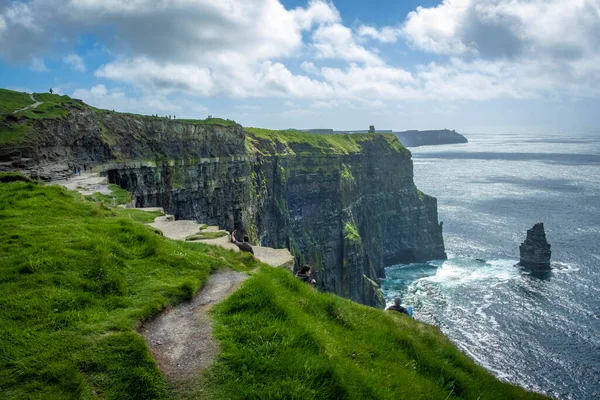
column 18, row 128
column 77, row 278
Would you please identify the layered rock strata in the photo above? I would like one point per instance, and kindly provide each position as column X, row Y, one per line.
column 535, row 250
column 347, row 212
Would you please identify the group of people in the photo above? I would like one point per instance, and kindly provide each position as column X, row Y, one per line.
column 304, row 273
column 77, row 170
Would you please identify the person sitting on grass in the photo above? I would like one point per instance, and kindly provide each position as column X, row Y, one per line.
column 304, row 275
column 397, row 307
column 243, row 246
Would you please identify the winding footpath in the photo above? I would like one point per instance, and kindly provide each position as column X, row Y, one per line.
column 34, row 105
column 181, row 338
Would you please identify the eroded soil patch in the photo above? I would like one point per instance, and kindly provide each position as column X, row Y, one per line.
column 181, row 338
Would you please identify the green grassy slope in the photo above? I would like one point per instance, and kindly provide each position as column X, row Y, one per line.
column 75, row 279
column 11, row 101
column 14, row 128
column 289, row 142
column 282, row 339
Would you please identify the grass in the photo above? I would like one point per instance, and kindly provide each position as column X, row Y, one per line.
column 209, row 121
column 143, row 217
column 6, row 177
column 290, row 142
column 206, row 235
column 14, row 128
column 11, row 101
column 351, row 232
column 76, row 278
column 282, row 339
column 53, row 106
column 118, row 196
column 13, row 133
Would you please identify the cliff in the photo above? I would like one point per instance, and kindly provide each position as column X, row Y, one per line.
column 346, row 204
column 428, row 138
column 535, row 251
column 79, row 280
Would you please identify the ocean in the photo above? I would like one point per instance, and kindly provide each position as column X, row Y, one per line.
column 538, row 330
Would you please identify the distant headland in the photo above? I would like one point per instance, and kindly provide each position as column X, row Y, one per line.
column 410, row 138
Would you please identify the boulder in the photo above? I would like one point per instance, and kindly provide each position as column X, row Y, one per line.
column 535, row 250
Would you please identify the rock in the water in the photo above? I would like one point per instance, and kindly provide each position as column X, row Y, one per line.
column 535, row 250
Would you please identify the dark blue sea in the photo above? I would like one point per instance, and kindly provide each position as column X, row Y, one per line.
column 540, row 331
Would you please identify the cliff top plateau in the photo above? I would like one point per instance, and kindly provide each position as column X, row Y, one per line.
column 43, row 128
column 411, row 138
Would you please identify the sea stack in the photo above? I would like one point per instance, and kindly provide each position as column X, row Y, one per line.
column 535, row 250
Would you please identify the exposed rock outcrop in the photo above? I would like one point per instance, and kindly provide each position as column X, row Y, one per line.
column 429, row 138
column 348, row 213
column 535, row 250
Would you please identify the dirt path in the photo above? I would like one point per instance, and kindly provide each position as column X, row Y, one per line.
column 34, row 105
column 181, row 338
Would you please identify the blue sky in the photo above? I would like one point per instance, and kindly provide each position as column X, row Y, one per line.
column 472, row 65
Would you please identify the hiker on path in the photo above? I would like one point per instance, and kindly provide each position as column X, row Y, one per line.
column 243, row 246
column 397, row 307
column 304, row 275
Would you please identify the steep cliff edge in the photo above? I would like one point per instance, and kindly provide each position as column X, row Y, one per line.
column 430, row 138
column 346, row 204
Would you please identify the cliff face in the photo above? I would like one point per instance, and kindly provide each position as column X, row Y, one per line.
column 429, row 138
column 346, row 205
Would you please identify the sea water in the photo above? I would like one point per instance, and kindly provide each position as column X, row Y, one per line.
column 537, row 330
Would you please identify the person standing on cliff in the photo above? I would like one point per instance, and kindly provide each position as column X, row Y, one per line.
column 397, row 307
column 243, row 246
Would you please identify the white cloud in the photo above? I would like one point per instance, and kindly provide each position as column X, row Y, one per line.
column 38, row 65
column 386, row 34
column 561, row 29
column 152, row 75
column 317, row 12
column 370, row 81
column 309, row 67
column 276, row 79
column 98, row 91
column 337, row 42
column 20, row 14
column 116, row 99
column 436, row 29
column 75, row 61
column 182, row 31
column 240, row 48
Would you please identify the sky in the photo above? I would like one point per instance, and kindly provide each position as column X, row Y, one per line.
column 485, row 66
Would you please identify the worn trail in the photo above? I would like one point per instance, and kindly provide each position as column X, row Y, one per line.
column 31, row 106
column 181, row 338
